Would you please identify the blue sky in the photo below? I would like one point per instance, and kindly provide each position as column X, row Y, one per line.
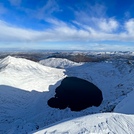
column 67, row 24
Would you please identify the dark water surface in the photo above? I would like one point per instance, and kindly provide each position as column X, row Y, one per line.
column 77, row 94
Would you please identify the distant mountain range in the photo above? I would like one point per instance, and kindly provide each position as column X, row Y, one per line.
column 76, row 56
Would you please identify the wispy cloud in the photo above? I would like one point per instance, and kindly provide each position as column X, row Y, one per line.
column 95, row 16
column 47, row 10
column 90, row 12
column 15, row 2
column 62, row 31
column 44, row 11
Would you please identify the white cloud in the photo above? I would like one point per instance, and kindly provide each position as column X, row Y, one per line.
column 55, row 22
column 15, row 2
column 10, row 33
column 62, row 32
column 95, row 17
column 108, row 25
column 129, row 25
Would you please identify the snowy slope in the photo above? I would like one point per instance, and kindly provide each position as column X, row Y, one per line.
column 126, row 105
column 108, row 123
column 23, row 110
column 28, row 75
column 59, row 63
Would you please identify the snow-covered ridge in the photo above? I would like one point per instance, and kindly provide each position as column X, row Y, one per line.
column 108, row 123
column 21, row 63
column 59, row 63
column 22, row 73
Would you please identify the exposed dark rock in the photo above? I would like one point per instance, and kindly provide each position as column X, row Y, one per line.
column 77, row 94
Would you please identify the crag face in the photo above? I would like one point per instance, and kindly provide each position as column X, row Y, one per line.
column 77, row 94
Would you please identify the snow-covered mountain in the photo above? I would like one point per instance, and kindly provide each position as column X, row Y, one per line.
column 108, row 123
column 28, row 75
column 26, row 86
column 59, row 63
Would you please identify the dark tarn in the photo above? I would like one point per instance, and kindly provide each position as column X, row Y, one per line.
column 77, row 94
